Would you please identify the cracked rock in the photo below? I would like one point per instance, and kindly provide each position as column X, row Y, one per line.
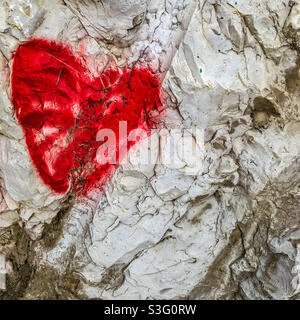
column 219, row 220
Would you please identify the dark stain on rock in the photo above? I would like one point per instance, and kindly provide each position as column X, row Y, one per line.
column 52, row 231
column 16, row 246
column 263, row 112
column 196, row 218
column 292, row 78
column 113, row 276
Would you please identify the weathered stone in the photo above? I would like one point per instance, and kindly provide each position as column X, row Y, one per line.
column 222, row 220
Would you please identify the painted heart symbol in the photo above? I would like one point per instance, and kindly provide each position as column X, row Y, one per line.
column 61, row 106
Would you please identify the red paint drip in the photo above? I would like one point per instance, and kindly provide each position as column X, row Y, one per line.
column 61, row 107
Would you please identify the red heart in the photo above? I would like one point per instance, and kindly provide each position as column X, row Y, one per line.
column 61, row 107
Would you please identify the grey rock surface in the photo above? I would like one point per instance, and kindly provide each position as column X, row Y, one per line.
column 228, row 230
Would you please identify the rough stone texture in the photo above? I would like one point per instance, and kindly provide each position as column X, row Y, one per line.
column 231, row 68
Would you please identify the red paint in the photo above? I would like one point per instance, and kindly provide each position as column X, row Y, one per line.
column 48, row 85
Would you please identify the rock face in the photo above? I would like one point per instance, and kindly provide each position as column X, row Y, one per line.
column 221, row 222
